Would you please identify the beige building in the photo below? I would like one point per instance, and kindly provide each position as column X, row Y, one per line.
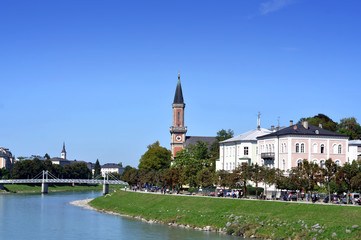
column 6, row 158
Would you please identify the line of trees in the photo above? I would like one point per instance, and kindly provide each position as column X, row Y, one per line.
column 347, row 126
column 28, row 169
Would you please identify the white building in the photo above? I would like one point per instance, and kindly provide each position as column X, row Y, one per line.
column 354, row 150
column 111, row 168
column 239, row 149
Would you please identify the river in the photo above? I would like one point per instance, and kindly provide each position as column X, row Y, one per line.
column 50, row 216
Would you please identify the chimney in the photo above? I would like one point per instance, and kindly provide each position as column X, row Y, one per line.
column 291, row 122
column 305, row 124
column 320, row 125
column 272, row 128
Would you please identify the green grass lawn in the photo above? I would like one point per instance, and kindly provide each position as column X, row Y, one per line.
column 24, row 188
column 276, row 220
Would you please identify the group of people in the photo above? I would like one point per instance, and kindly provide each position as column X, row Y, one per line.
column 234, row 193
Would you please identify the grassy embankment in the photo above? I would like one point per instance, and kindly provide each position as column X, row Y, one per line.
column 32, row 188
column 264, row 219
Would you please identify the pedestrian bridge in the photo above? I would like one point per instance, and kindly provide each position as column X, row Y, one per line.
column 45, row 180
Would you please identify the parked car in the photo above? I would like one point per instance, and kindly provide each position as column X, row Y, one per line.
column 334, row 199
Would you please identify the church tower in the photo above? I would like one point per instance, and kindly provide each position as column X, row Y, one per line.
column 63, row 153
column 178, row 130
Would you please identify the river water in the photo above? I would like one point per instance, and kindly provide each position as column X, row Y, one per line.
column 50, row 216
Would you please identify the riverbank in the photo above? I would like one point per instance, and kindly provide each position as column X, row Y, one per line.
column 36, row 188
column 263, row 219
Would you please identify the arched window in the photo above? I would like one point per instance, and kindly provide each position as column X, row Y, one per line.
column 297, row 147
column 334, row 149
column 315, row 148
column 273, row 148
column 339, row 149
column 266, row 148
column 299, row 161
column 322, row 163
column 302, row 147
column 315, row 161
column 270, row 148
column 322, row 148
column 283, row 164
column 338, row 163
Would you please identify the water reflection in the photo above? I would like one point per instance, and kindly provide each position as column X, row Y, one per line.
column 50, row 216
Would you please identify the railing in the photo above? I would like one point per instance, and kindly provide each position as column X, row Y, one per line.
column 88, row 181
column 269, row 155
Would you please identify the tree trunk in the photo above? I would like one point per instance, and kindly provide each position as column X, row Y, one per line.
column 256, row 189
column 329, row 193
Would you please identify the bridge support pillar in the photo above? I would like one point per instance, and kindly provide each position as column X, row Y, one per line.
column 44, row 188
column 105, row 189
column 2, row 186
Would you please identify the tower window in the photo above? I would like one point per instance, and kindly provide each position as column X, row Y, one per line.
column 178, row 116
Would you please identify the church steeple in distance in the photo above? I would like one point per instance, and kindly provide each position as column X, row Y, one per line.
column 178, row 96
column 63, row 152
column 178, row 130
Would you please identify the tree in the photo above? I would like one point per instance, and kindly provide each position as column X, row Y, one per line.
column 224, row 135
column 205, row 178
column 240, row 176
column 311, row 174
column 97, row 169
column 191, row 160
column 327, row 123
column 329, row 173
column 223, row 178
column 257, row 175
column 346, row 174
column 155, row 158
column 47, row 156
column 350, row 127
column 120, row 164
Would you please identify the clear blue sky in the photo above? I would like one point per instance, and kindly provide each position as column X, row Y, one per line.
column 101, row 75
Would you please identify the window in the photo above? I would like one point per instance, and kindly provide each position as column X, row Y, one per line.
column 315, row 148
column 339, row 149
column 245, row 150
column 256, row 150
column 315, row 161
column 297, row 147
column 322, row 148
column 178, row 116
column 299, row 161
column 334, row 148
column 322, row 163
column 338, row 163
column 226, row 166
column 283, row 164
column 302, row 147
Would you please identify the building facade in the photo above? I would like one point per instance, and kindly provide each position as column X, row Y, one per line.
column 354, row 150
column 288, row 147
column 6, row 158
column 239, row 149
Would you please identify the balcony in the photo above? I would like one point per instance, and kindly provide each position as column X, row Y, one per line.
column 268, row 155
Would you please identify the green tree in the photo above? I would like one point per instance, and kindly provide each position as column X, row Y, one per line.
column 223, row 178
column 311, row 175
column 97, row 169
column 350, row 127
column 205, row 177
column 224, row 135
column 47, row 156
column 327, row 123
column 329, row 172
column 191, row 160
column 257, row 175
column 155, row 158
column 346, row 174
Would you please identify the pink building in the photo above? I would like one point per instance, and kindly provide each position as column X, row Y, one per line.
column 287, row 147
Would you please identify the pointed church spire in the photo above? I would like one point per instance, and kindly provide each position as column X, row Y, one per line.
column 178, row 97
column 63, row 148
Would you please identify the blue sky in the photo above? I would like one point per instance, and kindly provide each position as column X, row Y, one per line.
column 101, row 75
